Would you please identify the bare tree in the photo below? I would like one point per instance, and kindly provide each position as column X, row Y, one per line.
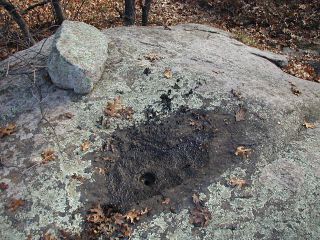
column 145, row 11
column 58, row 12
column 14, row 13
column 129, row 12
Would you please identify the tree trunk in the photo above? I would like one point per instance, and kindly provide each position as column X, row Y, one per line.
column 129, row 12
column 14, row 13
column 145, row 11
column 58, row 12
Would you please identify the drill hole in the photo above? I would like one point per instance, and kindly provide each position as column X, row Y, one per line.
column 148, row 179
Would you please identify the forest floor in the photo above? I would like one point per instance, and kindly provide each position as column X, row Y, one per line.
column 283, row 26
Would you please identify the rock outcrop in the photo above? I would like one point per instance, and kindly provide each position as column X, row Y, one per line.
column 78, row 56
column 175, row 112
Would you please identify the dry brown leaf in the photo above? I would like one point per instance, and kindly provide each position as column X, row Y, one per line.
column 309, row 125
column 15, row 204
column 69, row 115
column 200, row 217
column 85, row 146
column 144, row 211
column 126, row 230
column 241, row 114
column 78, row 177
column 167, row 73
column 101, row 171
column 152, row 57
column 113, row 107
column 3, row 186
column 301, row 70
column 294, row 89
column 127, row 112
column 132, row 216
column 48, row 156
column 196, row 199
column 236, row 93
column 8, row 130
column 166, row 201
column 49, row 236
column 192, row 122
column 116, row 109
column 243, row 151
column 96, row 215
column 108, row 159
column 118, row 218
column 237, row 182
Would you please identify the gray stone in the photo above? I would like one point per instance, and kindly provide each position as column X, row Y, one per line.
column 283, row 172
column 78, row 56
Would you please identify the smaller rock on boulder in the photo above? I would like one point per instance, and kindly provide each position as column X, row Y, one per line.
column 78, row 56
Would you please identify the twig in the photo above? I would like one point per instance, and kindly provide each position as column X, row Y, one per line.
column 151, row 44
column 78, row 10
column 14, row 13
column 8, row 67
column 34, row 6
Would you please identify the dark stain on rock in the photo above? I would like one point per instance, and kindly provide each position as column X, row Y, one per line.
column 144, row 161
column 166, row 102
column 147, row 71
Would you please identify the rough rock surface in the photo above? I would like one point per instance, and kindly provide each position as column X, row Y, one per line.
column 180, row 139
column 78, row 56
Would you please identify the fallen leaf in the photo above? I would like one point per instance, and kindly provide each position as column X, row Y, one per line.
column 145, row 211
column 167, row 73
column 294, row 89
column 196, row 199
column 236, row 93
column 78, row 177
column 127, row 112
column 15, row 204
column 96, row 215
column 85, row 146
column 243, row 151
column 116, row 109
column 69, row 115
column 237, row 182
column 132, row 216
column 113, row 107
column 3, row 186
column 126, row 230
column 118, row 218
column 49, row 236
column 301, row 70
column 240, row 115
column 108, row 146
column 196, row 124
column 48, row 155
column 152, row 57
column 8, row 130
column 309, row 125
column 200, row 217
column 101, row 171
column 192, row 122
column 108, row 159
column 166, row 201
